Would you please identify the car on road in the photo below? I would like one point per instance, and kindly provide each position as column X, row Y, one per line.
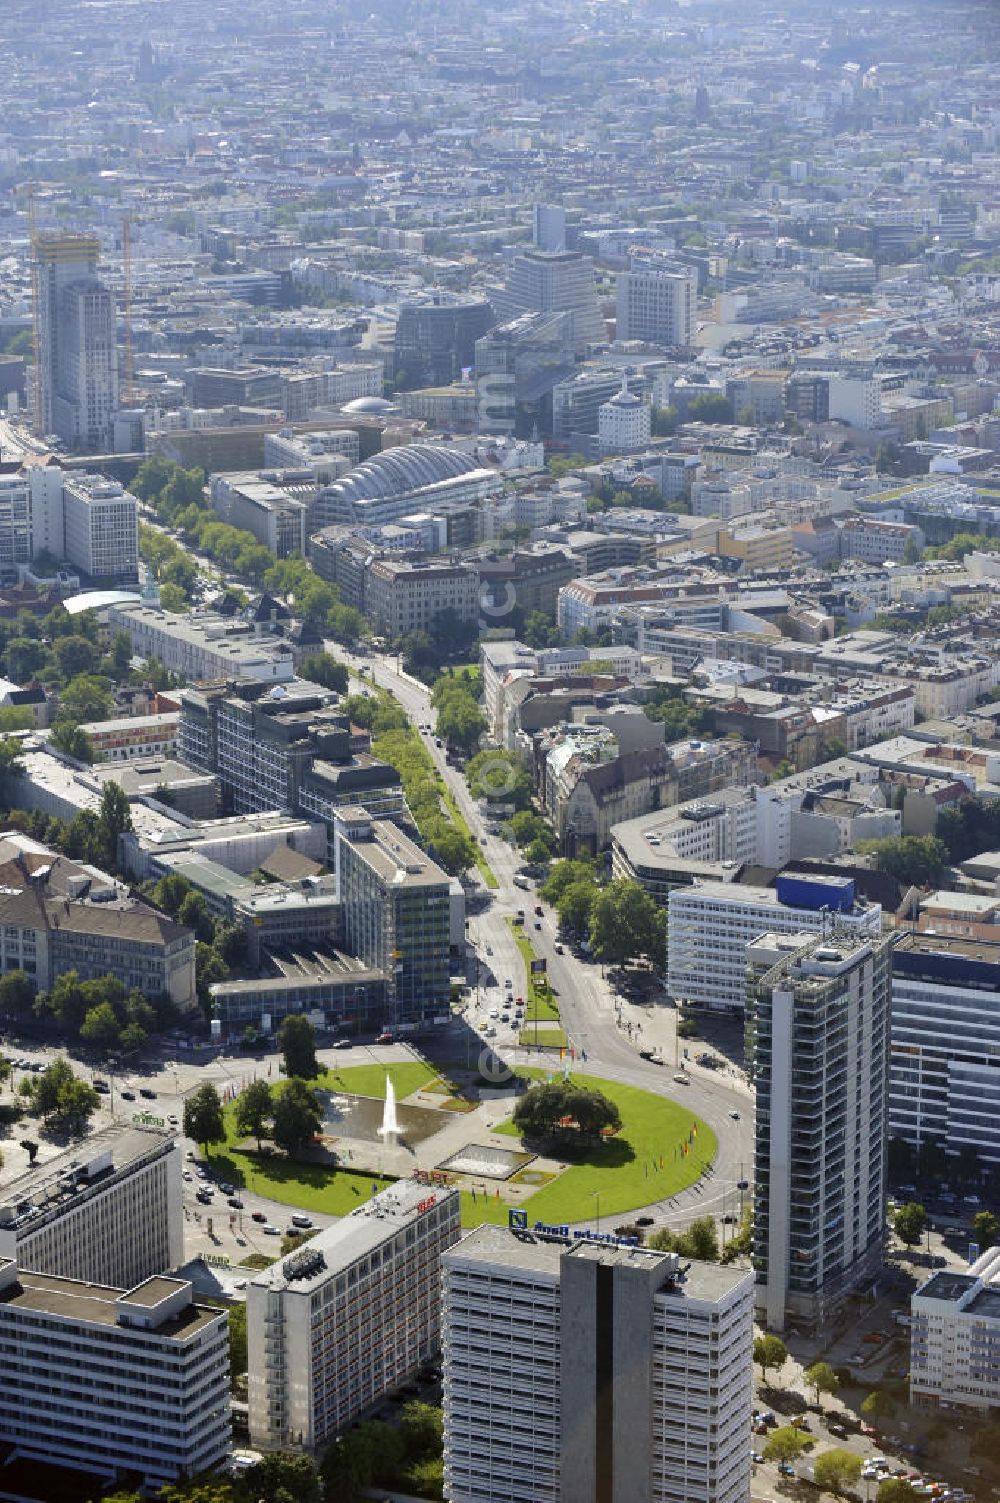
column 735, row 1116
column 644, row 1221
column 559, row 949
column 757, row 1456
column 101, row 1087
column 505, row 1017
column 300, row 1220
column 226, row 1188
column 204, row 1196
column 384, row 1038
column 509, row 985
column 147, row 1093
column 786, row 1469
column 489, row 949
column 645, row 1053
column 258, row 1216
column 173, row 1122
column 742, row 1184
column 681, row 1078
column 341, row 1044
column 537, row 924
column 127, row 1095
column 271, row 1231
column 489, row 1032
column 186, row 1174
column 235, row 1202
column 494, row 1012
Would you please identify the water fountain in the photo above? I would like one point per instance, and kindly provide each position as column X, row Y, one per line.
column 390, row 1126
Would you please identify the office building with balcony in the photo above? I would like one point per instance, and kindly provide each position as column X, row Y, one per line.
column 579, row 1370
column 108, row 1211
column 129, row 1384
column 395, row 913
column 349, row 1317
column 818, row 1045
column 945, row 1041
column 710, row 925
column 656, row 301
column 955, row 1338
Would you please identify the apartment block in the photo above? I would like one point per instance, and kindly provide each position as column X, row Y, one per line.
column 656, row 301
column 818, row 1045
column 581, row 1369
column 119, row 1382
column 109, row 1211
column 955, row 1338
column 710, row 925
column 349, row 1317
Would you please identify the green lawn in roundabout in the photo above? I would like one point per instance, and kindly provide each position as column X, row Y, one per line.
column 644, row 1163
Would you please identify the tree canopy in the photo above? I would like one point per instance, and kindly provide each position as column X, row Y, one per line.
column 203, row 1120
column 298, row 1117
column 566, row 1109
column 297, row 1041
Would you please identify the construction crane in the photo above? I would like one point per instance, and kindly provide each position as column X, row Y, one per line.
column 129, row 396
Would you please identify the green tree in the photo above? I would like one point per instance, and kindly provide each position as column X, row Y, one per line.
column 11, row 769
column 784, row 1444
column 321, row 668
column 170, row 892
column 284, row 1478
column 565, row 1109
column 237, row 1341
column 254, row 1109
column 101, row 1027
column 298, row 1117
column 878, row 1405
column 64, row 1102
column 562, row 874
column 769, row 1351
column 86, row 697
column 17, row 994
column 917, row 860
column 986, row 1228
column 897, row 1490
column 625, row 923
column 74, row 655
column 701, row 1240
column 711, row 407
column 203, row 1120
column 422, row 1426
column 665, row 421
column 821, row 1378
column 461, row 722
column 193, row 914
column 72, row 739
column 16, row 718
column 836, row 1471
column 297, row 1042
column 24, row 657
column 115, row 818
column 909, row 1223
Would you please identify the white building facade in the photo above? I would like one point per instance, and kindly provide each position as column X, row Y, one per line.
column 955, row 1338
column 113, row 1381
column 579, row 1370
column 350, row 1316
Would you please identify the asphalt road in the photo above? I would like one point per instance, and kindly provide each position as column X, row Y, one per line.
column 586, row 999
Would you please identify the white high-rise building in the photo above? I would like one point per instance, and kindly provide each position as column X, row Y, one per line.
column 710, row 924
column 818, row 1038
column 101, row 525
column 111, row 1381
column 955, row 1337
column 624, row 422
column 656, row 301
column 548, row 227
column 590, row 1371
column 77, row 357
column 109, row 1211
column 349, row 1317
column 554, row 282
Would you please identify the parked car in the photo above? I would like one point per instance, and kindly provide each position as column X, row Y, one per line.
column 101, row 1087
column 147, row 1093
column 235, row 1202
column 384, row 1038
column 341, row 1044
column 127, row 1095
column 299, row 1219
column 258, row 1216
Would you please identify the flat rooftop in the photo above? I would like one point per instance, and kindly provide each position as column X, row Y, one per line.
column 947, row 1287
column 98, row 1304
column 352, row 1237
column 56, row 1183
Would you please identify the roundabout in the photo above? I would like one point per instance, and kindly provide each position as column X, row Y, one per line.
column 461, row 1134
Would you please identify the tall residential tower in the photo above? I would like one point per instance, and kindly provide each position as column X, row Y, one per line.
column 75, row 331
column 818, row 1035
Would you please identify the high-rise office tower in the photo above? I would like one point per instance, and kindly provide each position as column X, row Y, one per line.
column 542, row 281
column 583, row 1371
column 548, row 227
column 349, row 1317
column 77, row 353
column 818, row 1037
column 656, row 301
